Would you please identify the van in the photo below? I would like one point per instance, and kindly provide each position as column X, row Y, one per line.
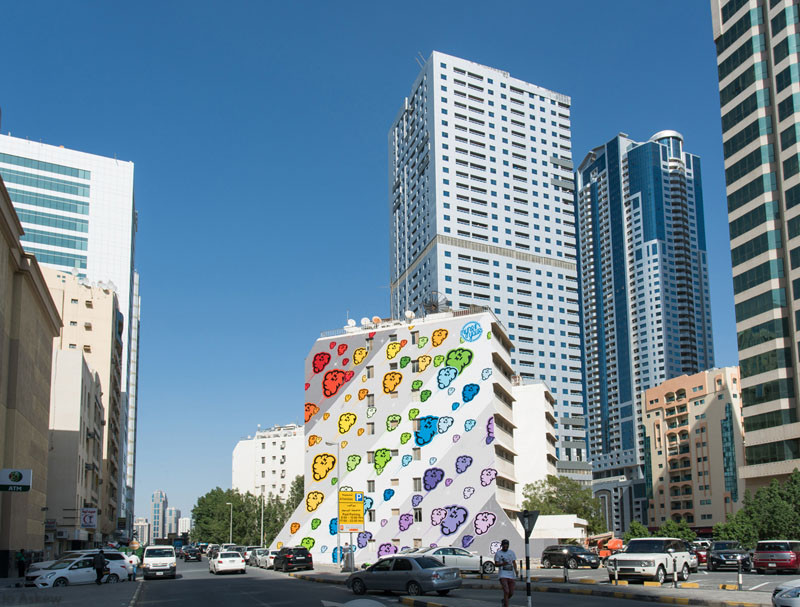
column 159, row 561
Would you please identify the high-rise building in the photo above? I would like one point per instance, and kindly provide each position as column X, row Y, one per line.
column 141, row 527
column 269, row 461
column 78, row 213
column 158, row 514
column 693, row 447
column 171, row 518
column 757, row 52
column 645, row 298
column 184, row 524
column 481, row 198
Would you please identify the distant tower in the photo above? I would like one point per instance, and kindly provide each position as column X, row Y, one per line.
column 158, row 514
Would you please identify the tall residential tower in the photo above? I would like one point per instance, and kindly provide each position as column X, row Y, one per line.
column 481, row 196
column 757, row 58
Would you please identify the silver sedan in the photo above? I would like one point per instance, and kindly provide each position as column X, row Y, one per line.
column 787, row 594
column 409, row 574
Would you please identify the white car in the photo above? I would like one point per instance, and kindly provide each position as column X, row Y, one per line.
column 227, row 561
column 111, row 554
column 266, row 560
column 79, row 570
column 255, row 554
column 787, row 594
column 652, row 558
column 247, row 552
column 159, row 561
column 458, row 557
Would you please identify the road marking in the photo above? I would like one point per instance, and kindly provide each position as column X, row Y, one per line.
column 759, row 586
column 704, row 572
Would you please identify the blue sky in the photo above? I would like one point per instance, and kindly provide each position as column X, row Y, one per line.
column 259, row 135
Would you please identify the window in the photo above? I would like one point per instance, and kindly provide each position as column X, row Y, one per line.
column 370, row 486
column 417, row 484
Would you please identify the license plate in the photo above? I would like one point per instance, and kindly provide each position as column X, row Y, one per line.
column 159, row 573
column 770, row 564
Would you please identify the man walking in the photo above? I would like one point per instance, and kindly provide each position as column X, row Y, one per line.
column 21, row 563
column 133, row 563
column 506, row 562
column 99, row 564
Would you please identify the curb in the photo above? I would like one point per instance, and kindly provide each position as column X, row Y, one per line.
column 320, row 580
column 135, row 597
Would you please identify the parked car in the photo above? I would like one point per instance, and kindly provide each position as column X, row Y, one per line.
column 252, row 558
column 117, row 556
column 728, row 554
column 694, row 563
column 159, row 561
column 777, row 555
column 573, row 556
column 458, row 557
column 701, row 549
column 227, row 560
column 651, row 558
column 191, row 554
column 787, row 594
column 266, row 559
column 247, row 551
column 76, row 570
column 413, row 574
column 293, row 558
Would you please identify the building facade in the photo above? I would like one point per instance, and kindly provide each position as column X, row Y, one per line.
column 172, row 517
column 757, row 53
column 694, row 444
column 646, row 300
column 269, row 461
column 75, row 459
column 184, row 524
column 481, row 197
column 158, row 514
column 94, row 326
column 78, row 213
column 28, row 323
column 141, row 529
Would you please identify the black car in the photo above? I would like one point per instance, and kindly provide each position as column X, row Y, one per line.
column 727, row 554
column 569, row 554
column 191, row 554
column 293, row 558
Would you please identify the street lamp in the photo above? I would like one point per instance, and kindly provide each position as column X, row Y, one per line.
column 338, row 480
column 230, row 532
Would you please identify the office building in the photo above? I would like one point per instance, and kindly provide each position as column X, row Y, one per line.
column 693, row 446
column 184, row 524
column 757, row 67
column 646, row 301
column 94, row 326
column 78, row 213
column 421, row 415
column 158, row 514
column 171, row 518
column 141, row 530
column 481, row 198
column 269, row 461
column 28, row 323
column 75, row 459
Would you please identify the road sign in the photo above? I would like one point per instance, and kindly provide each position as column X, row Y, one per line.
column 528, row 519
column 15, row 479
column 89, row 518
column 351, row 511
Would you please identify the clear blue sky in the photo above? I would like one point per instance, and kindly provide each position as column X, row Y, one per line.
column 259, row 134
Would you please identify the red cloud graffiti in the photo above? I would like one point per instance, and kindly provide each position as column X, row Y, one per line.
column 334, row 380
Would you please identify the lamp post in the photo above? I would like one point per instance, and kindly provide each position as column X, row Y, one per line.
column 230, row 532
column 338, row 480
column 262, row 519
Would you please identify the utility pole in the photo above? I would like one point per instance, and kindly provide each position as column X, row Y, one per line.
column 338, row 481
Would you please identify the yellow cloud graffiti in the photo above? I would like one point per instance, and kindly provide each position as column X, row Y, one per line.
column 424, row 361
column 391, row 380
column 322, row 465
column 346, row 421
column 392, row 349
column 438, row 337
column 359, row 355
column 313, row 500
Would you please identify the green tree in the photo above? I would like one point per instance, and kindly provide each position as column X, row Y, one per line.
column 212, row 516
column 297, row 493
column 561, row 495
column 678, row 529
column 636, row 529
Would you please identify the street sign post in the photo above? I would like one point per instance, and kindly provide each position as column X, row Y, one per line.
column 15, row 479
column 351, row 511
column 528, row 519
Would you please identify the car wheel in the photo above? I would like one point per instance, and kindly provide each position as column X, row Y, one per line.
column 442, row 592
column 286, row 567
column 414, row 589
column 661, row 574
column 685, row 572
column 709, row 566
column 358, row 586
column 488, row 567
column 572, row 564
column 546, row 564
column 244, row 571
column 595, row 566
column 60, row 582
column 112, row 579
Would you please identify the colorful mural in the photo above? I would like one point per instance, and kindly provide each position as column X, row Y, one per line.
column 412, row 408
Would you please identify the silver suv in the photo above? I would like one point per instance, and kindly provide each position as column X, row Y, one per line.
column 652, row 558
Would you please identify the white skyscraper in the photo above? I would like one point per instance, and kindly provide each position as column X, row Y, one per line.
column 78, row 213
column 158, row 514
column 481, row 196
column 185, row 524
column 172, row 517
column 269, row 461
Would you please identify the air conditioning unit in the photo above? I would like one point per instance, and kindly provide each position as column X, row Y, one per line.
column 62, row 535
column 48, row 538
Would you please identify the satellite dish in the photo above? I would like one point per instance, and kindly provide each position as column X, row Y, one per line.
column 376, row 319
column 351, row 322
column 364, row 321
column 410, row 314
column 434, row 302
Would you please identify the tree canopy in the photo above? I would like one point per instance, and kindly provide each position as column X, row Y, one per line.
column 562, row 495
column 636, row 529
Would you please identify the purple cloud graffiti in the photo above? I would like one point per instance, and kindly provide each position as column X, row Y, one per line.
column 363, row 538
column 462, row 463
column 487, row 476
column 484, row 521
column 405, row 521
column 490, row 430
column 431, row 478
column 387, row 549
column 467, row 540
column 437, row 516
column 456, row 515
column 416, row 500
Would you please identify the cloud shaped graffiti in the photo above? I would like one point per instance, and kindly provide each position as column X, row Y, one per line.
column 346, row 421
column 487, row 476
column 456, row 515
column 405, row 522
column 484, row 521
column 428, row 427
column 333, row 380
column 381, row 458
column 431, row 478
column 469, row 392
column 459, row 359
column 322, row 465
column 462, row 463
column 320, row 361
column 313, row 500
column 446, row 376
column 363, row 538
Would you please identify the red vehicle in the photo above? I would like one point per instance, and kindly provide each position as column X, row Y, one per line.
column 701, row 549
column 777, row 555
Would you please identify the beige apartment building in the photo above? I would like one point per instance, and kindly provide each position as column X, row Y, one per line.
column 28, row 323
column 75, row 460
column 93, row 325
column 694, row 444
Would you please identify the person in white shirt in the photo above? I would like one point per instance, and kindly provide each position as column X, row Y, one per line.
column 506, row 562
column 133, row 564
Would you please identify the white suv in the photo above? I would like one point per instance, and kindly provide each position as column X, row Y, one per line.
column 654, row 558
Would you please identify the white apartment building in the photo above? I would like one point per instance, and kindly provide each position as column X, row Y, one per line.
column 141, row 527
column 482, row 210
column 158, row 514
column 78, row 213
column 184, row 524
column 269, row 461
column 172, row 517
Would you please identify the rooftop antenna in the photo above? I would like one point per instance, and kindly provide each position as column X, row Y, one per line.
column 421, row 64
column 421, row 56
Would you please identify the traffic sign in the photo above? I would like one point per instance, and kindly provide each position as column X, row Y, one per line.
column 351, row 511
column 528, row 519
column 15, row 479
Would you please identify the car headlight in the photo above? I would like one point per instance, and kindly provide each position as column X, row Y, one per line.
column 172, row 564
column 792, row 593
column 647, row 564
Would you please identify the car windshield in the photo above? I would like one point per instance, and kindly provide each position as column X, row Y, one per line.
column 428, row 562
column 62, row 564
column 299, row 551
column 424, row 550
column 580, row 550
column 645, row 546
column 773, row 547
column 725, row 546
column 158, row 552
column 230, row 555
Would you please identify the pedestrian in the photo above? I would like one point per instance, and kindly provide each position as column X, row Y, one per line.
column 99, row 564
column 21, row 563
column 506, row 562
column 133, row 563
